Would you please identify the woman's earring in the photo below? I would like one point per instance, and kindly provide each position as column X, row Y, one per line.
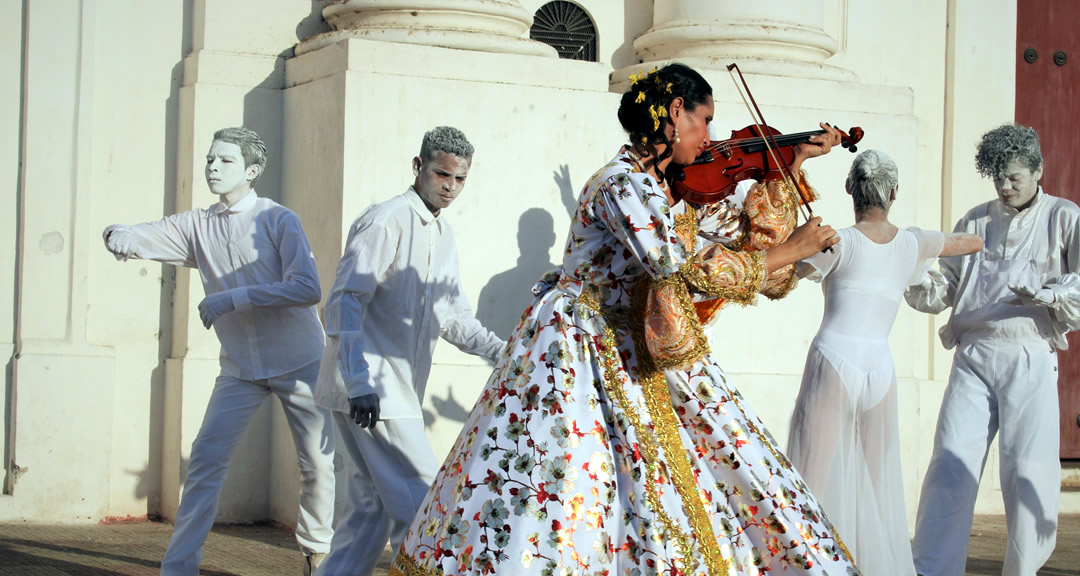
column 677, row 139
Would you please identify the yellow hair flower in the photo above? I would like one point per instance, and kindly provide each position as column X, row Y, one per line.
column 635, row 78
column 661, row 112
column 644, row 139
column 655, row 117
column 640, row 98
column 669, row 87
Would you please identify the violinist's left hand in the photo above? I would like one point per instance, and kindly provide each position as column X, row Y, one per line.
column 818, row 145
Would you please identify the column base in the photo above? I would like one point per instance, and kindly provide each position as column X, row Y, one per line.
column 620, row 79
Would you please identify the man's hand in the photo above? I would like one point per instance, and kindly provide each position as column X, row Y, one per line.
column 215, row 306
column 1026, row 296
column 118, row 240
column 364, row 410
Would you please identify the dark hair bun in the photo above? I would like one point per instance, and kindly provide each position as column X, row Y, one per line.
column 643, row 108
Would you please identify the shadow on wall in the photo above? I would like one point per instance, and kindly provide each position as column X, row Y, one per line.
column 508, row 293
column 312, row 24
column 149, row 485
column 566, row 190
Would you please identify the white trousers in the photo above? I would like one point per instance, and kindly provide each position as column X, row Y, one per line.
column 388, row 470
column 999, row 384
column 232, row 404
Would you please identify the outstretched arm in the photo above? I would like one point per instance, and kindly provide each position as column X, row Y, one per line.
column 169, row 240
column 932, row 291
column 961, row 243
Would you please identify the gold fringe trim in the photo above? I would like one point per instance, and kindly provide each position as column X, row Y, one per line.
column 639, row 312
column 658, row 401
column 780, row 283
column 666, row 434
column 686, row 229
column 404, row 565
column 753, row 269
column 610, row 359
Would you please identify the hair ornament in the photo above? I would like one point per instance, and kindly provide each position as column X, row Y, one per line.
column 640, row 98
column 657, row 112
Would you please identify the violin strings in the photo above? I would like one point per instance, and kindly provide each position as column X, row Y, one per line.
column 788, row 179
column 794, row 138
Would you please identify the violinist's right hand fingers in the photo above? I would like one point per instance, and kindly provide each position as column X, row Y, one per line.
column 825, row 233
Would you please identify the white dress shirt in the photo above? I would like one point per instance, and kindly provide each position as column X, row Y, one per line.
column 256, row 251
column 397, row 291
column 1037, row 247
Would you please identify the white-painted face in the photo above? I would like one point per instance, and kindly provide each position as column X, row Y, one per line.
column 440, row 180
column 225, row 170
column 1018, row 185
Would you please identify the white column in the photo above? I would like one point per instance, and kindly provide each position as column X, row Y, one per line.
column 773, row 37
column 484, row 25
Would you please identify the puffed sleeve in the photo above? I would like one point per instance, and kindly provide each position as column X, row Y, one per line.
column 635, row 210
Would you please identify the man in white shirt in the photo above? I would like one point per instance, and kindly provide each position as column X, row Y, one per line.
column 397, row 291
column 261, row 288
column 1012, row 305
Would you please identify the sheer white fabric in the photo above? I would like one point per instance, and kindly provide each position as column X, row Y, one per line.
column 844, row 434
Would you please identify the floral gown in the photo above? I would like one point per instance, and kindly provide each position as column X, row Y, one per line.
column 584, row 456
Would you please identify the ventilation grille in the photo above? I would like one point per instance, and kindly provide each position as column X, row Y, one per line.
column 567, row 28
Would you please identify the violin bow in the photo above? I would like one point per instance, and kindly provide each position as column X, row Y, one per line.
column 770, row 142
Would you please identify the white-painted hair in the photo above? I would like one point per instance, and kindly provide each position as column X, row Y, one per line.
column 871, row 180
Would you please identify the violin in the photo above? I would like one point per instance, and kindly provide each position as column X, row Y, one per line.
column 714, row 175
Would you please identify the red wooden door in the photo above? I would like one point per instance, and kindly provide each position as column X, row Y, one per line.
column 1048, row 99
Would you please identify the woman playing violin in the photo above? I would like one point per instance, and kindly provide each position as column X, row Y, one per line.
column 607, row 440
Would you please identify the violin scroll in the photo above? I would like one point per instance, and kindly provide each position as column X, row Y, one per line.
column 852, row 137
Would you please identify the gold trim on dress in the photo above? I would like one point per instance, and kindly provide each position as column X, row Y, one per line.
column 666, row 434
column 646, row 441
column 404, row 565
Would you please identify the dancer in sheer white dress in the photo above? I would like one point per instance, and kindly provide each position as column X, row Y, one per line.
column 844, row 434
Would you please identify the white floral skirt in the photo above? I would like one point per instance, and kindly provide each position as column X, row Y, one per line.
column 571, row 463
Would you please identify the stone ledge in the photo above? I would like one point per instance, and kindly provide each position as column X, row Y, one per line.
column 389, row 58
column 234, row 69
